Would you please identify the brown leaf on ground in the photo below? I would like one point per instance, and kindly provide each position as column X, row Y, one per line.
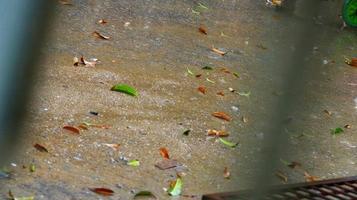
column 102, row 191
column 89, row 63
column 202, row 89
column 220, row 93
column 347, row 126
column 225, row 70
column 226, row 173
column 310, row 178
column 281, row 176
column 167, row 164
column 75, row 61
column 82, row 126
column 222, row 115
column 72, row 129
column 222, row 53
column 100, row 36
column 202, row 29
column 40, row 148
column 164, row 153
column 102, row 21
column 212, row 132
column 198, row 75
column 113, row 146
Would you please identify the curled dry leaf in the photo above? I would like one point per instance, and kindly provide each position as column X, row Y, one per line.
column 164, row 153
column 281, row 176
column 72, row 129
column 167, row 164
column 202, row 29
column 220, row 93
column 75, row 61
column 40, row 148
column 212, row 132
column 89, row 63
column 102, row 21
column 222, row 53
column 222, row 115
column 329, row 113
column 202, row 89
column 348, row 126
column 310, row 178
column 113, row 146
column 352, row 62
column 100, row 36
column 102, row 191
column 226, row 173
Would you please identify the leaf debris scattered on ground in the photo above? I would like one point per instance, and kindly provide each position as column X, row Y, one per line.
column 113, row 146
column 281, row 176
column 175, row 188
column 125, row 89
column 216, row 133
column 102, row 191
column 186, row 132
column 202, row 29
column 202, row 89
column 100, row 36
column 245, row 94
column 190, row 72
column 102, row 21
column 164, row 153
column 337, row 131
column 226, row 173
column 222, row 115
column 351, row 62
column 167, row 164
column 144, row 193
column 13, row 197
column 209, row 80
column 72, row 129
column 134, row 163
column 220, row 93
column 227, row 143
column 222, row 53
column 207, row 67
column 85, row 62
column 40, row 148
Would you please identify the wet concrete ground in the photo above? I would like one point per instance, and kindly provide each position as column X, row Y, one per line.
column 152, row 54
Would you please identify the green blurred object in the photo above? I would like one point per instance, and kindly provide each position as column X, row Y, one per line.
column 349, row 12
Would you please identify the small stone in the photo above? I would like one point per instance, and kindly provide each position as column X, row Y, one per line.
column 235, row 108
column 325, row 62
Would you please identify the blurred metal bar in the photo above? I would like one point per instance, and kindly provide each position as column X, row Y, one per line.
column 23, row 24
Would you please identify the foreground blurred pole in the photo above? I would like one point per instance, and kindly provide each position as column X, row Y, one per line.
column 23, row 24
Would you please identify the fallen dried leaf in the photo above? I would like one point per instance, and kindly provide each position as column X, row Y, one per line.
column 282, row 176
column 72, row 129
column 244, row 119
column 328, row 112
column 113, row 146
column 102, row 191
column 212, row 132
column 40, row 148
column 144, row 193
column 202, row 29
column 82, row 126
column 89, row 63
column 75, row 61
column 102, row 21
column 310, row 178
column 220, row 93
column 222, row 53
column 226, row 173
column 222, row 115
column 100, row 36
column 175, row 187
column 352, row 62
column 348, row 126
column 164, row 153
column 167, row 164
column 225, row 70
column 209, row 80
column 198, row 75
column 262, row 47
column 12, row 197
column 231, row 89
column 202, row 89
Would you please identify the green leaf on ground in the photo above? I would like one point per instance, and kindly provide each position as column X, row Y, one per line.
column 32, row 168
column 202, row 6
column 144, row 193
column 206, row 67
column 134, row 163
column 195, row 12
column 125, row 89
column 236, row 74
column 227, row 143
column 336, row 131
column 176, row 187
